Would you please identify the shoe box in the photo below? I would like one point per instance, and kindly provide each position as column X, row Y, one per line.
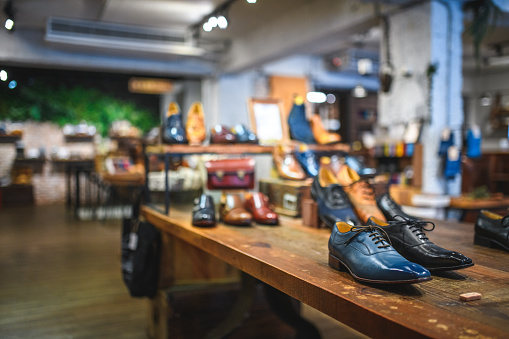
column 286, row 195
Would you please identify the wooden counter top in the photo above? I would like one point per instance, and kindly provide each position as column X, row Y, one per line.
column 293, row 258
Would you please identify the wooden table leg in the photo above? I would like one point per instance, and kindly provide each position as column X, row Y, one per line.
column 240, row 309
column 283, row 306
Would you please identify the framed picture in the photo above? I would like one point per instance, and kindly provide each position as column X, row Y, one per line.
column 267, row 120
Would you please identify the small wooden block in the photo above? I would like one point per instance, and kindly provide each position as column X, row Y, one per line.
column 470, row 296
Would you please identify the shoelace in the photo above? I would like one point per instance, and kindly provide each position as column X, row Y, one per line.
column 417, row 226
column 373, row 234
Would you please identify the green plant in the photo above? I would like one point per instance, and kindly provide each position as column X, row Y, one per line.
column 485, row 15
column 64, row 105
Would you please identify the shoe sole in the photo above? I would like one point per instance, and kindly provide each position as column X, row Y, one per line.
column 338, row 265
column 448, row 268
column 487, row 242
column 204, row 224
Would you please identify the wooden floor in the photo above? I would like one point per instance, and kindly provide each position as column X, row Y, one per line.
column 60, row 278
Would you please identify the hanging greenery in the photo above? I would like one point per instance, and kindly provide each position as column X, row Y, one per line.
column 64, row 105
column 485, row 14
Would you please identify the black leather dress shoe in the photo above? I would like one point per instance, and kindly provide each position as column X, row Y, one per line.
column 332, row 201
column 244, row 135
column 492, row 230
column 408, row 238
column 204, row 213
column 390, row 208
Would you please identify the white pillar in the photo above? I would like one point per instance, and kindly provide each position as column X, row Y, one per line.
column 424, row 35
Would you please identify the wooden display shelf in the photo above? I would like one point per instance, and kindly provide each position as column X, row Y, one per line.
column 79, row 138
column 214, row 148
column 293, row 259
column 9, row 139
column 235, row 148
column 124, row 179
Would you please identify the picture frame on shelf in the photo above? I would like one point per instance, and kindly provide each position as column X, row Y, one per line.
column 267, row 120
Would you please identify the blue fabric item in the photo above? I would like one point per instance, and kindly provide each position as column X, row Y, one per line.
column 445, row 144
column 473, row 145
column 308, row 162
column 452, row 167
column 369, row 258
column 174, row 133
column 300, row 128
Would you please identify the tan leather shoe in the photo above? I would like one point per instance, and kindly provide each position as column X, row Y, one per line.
column 232, row 211
column 321, row 135
column 286, row 164
column 195, row 124
column 360, row 193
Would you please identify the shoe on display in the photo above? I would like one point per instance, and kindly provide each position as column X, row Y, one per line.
column 244, row 135
column 195, row 124
column 174, row 133
column 332, row 201
column 492, row 230
column 360, row 193
column 258, row 205
column 321, row 135
column 204, row 214
column 307, row 159
column 232, row 211
column 219, row 134
column 369, row 257
column 408, row 237
column 299, row 126
column 390, row 208
column 286, row 164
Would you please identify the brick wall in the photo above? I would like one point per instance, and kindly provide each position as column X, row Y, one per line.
column 49, row 183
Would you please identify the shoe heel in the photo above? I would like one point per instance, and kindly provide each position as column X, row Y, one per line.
column 482, row 242
column 335, row 263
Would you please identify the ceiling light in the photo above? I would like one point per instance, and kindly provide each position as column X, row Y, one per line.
column 207, row 27
column 359, row 92
column 13, row 84
column 251, row 1
column 213, row 21
column 316, row 97
column 3, row 75
column 222, row 22
column 9, row 24
column 331, row 98
column 485, row 99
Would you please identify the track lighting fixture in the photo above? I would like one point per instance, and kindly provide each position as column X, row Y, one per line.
column 9, row 12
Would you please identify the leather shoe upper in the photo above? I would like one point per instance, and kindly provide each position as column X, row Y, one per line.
column 307, row 160
column 492, row 228
column 408, row 238
column 370, row 258
column 232, row 210
column 221, row 135
column 332, row 201
column 174, row 132
column 243, row 135
column 258, row 205
column 204, row 213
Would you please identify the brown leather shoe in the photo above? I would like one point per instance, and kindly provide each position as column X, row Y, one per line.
column 321, row 135
column 221, row 135
column 232, row 212
column 195, row 124
column 258, row 205
column 286, row 164
column 360, row 193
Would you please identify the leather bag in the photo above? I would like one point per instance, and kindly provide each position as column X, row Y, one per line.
column 141, row 245
column 230, row 173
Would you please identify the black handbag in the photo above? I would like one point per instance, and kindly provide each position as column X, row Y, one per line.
column 141, row 247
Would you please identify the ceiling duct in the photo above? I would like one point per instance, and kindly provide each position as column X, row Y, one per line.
column 121, row 37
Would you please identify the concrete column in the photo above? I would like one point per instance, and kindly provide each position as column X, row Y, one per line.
column 421, row 36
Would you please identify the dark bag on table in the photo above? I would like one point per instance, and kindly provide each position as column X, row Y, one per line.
column 141, row 246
